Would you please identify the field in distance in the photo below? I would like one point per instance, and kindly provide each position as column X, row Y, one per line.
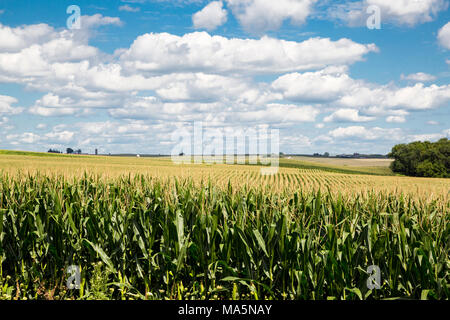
column 378, row 166
column 346, row 176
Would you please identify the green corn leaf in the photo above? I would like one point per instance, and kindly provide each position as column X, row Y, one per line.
column 355, row 291
column 102, row 255
column 260, row 240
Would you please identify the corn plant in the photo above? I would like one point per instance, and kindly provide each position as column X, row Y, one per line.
column 137, row 237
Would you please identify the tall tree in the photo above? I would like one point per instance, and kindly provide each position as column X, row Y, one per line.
column 422, row 159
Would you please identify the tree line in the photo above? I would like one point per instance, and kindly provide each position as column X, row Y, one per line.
column 422, row 159
column 68, row 151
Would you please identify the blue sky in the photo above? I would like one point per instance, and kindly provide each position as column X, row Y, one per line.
column 137, row 72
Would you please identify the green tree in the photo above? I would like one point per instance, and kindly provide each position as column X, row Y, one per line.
column 422, row 159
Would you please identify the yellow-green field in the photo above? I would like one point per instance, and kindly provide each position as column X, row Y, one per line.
column 346, row 176
column 378, row 166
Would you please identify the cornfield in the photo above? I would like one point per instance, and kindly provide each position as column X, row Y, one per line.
column 140, row 237
column 292, row 176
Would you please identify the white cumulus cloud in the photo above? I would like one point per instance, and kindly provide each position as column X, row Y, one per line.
column 418, row 77
column 444, row 36
column 210, row 17
column 396, row 119
column 199, row 51
column 347, row 115
column 128, row 8
column 363, row 133
column 6, row 108
column 257, row 16
column 400, row 12
column 335, row 86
